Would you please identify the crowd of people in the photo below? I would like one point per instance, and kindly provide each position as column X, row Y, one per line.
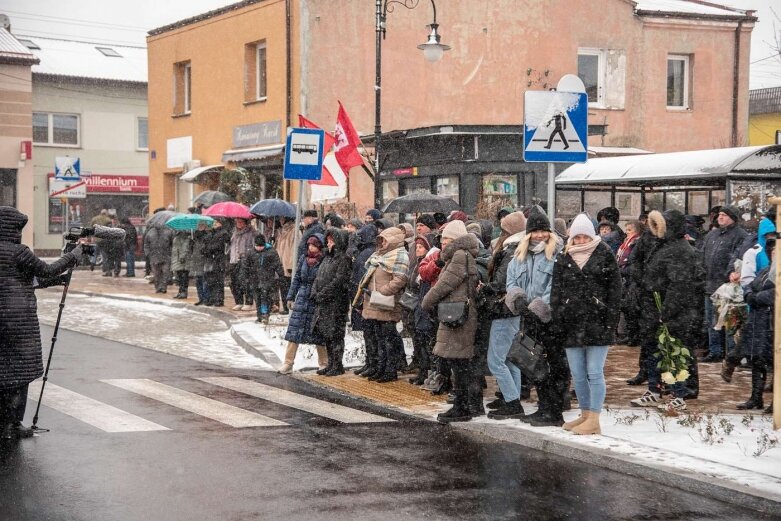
column 468, row 292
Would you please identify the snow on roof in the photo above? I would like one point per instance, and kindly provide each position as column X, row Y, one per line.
column 13, row 51
column 687, row 7
column 89, row 60
column 673, row 166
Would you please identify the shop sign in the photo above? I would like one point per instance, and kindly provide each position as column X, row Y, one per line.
column 265, row 133
column 406, row 171
column 109, row 183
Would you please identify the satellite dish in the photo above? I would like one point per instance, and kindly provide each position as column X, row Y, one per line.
column 570, row 83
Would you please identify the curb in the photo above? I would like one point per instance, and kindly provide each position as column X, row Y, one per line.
column 690, row 482
column 257, row 350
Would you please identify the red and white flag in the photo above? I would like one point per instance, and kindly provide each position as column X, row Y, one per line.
column 347, row 142
column 328, row 143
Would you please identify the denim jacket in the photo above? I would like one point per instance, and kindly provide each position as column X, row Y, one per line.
column 533, row 275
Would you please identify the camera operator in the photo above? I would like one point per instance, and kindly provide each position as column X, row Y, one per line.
column 20, row 337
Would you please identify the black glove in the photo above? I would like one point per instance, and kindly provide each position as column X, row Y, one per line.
column 750, row 298
column 440, row 263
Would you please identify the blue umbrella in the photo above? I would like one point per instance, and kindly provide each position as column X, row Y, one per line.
column 274, row 208
column 189, row 221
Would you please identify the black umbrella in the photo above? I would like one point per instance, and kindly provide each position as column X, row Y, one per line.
column 274, row 208
column 211, row 197
column 421, row 202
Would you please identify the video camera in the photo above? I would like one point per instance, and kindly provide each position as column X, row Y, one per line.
column 75, row 233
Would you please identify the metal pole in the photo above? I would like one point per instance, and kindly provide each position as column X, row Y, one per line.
column 297, row 231
column 377, row 100
column 777, row 334
column 551, row 192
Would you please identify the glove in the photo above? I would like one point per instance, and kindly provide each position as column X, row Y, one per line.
column 541, row 310
column 439, row 263
column 290, row 305
column 515, row 300
column 750, row 298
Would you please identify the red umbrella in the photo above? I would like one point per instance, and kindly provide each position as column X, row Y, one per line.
column 229, row 209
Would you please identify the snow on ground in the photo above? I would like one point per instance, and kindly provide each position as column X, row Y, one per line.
column 178, row 331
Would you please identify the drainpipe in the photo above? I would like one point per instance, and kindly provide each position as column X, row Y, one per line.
column 735, row 84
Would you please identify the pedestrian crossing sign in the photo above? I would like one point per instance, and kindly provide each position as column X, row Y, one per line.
column 555, row 127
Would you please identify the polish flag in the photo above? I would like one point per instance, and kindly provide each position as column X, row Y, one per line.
column 328, row 143
column 347, row 142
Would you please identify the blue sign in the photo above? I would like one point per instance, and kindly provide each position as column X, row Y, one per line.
column 304, row 154
column 555, row 127
column 67, row 168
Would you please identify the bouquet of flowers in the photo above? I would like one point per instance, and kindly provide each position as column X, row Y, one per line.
column 672, row 354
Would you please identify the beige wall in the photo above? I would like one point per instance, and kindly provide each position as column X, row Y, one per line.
column 15, row 127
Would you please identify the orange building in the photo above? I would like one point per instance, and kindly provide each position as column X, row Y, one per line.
column 659, row 78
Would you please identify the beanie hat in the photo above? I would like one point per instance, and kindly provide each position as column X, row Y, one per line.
column 582, row 225
column 423, row 242
column 731, row 211
column 440, row 218
column 454, row 230
column 457, row 215
column 260, row 240
column 474, row 227
column 428, row 220
column 513, row 223
column 314, row 239
column 374, row 213
column 537, row 221
column 310, row 213
column 503, row 212
column 356, row 223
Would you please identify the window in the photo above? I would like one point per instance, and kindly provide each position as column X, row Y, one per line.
column 261, row 70
column 108, row 51
column 182, row 88
column 255, row 83
column 55, row 129
column 677, row 81
column 142, row 141
column 29, row 44
column 591, row 70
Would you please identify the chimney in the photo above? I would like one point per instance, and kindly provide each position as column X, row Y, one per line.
column 5, row 22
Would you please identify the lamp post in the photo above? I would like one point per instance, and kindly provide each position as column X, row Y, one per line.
column 432, row 52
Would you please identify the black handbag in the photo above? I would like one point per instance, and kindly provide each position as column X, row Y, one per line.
column 409, row 300
column 528, row 354
column 455, row 314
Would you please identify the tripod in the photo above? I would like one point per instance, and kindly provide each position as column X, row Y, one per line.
column 66, row 280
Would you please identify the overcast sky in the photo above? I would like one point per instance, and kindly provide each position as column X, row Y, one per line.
column 127, row 21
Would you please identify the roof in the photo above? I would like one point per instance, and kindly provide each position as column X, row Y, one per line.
column 202, row 16
column 13, row 52
column 689, row 8
column 674, row 167
column 80, row 59
column 764, row 101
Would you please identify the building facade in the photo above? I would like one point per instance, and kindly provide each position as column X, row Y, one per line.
column 764, row 121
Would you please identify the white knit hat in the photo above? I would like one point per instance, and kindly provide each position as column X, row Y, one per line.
column 454, row 230
column 582, row 225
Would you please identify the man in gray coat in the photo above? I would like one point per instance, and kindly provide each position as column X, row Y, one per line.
column 157, row 247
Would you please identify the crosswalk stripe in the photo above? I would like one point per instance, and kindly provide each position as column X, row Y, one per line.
column 296, row 401
column 98, row 414
column 221, row 412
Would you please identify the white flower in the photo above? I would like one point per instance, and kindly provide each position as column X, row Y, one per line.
column 682, row 375
column 668, row 378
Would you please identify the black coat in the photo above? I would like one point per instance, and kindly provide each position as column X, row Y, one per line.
column 262, row 268
column 214, row 247
column 722, row 247
column 365, row 245
column 757, row 335
column 490, row 296
column 20, row 336
column 586, row 303
column 330, row 291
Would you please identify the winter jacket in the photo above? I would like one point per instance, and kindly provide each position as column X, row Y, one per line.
column 494, row 291
column 757, row 334
column 180, row 251
column 157, row 244
column 676, row 273
column 241, row 243
column 453, row 285
column 315, row 227
column 385, row 282
column 720, row 252
column 284, row 246
column 215, row 247
column 533, row 274
column 131, row 236
column 20, row 336
column 330, row 291
column 615, row 238
column 300, row 326
column 261, row 268
column 364, row 246
column 429, row 268
column 585, row 303
column 197, row 257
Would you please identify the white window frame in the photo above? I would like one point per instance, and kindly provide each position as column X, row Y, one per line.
column 685, row 59
column 187, row 76
column 50, row 130
column 258, row 70
column 601, row 55
column 138, row 134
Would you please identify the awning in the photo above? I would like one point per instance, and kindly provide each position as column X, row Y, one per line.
column 246, row 154
column 675, row 166
column 192, row 175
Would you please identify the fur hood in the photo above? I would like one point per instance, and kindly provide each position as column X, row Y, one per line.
column 468, row 243
column 657, row 224
column 669, row 225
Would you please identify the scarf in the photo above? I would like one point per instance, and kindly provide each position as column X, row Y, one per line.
column 627, row 244
column 537, row 246
column 581, row 253
column 313, row 258
column 395, row 262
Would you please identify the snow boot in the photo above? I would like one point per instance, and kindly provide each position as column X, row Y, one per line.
column 589, row 426
column 639, row 379
column 459, row 412
column 510, row 410
column 475, row 398
column 335, row 360
column 727, row 370
column 568, row 426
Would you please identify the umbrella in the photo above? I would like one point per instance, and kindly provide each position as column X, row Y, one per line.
column 211, row 197
column 228, row 209
column 421, row 202
column 160, row 218
column 188, row 221
column 274, row 208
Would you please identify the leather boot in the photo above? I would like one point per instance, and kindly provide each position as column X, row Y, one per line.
column 589, row 426
column 460, row 410
column 420, row 379
column 290, row 357
column 361, row 369
column 639, row 379
column 323, row 370
column 335, row 359
column 577, row 421
column 322, row 357
column 510, row 410
column 475, row 399
column 727, row 370
column 757, row 387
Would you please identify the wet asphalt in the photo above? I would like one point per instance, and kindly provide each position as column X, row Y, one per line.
column 313, row 469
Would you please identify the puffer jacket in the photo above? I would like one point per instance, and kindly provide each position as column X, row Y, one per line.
column 330, row 291
column 757, row 335
column 262, row 268
column 300, row 326
column 722, row 246
column 493, row 292
column 20, row 336
column 214, row 250
column 391, row 239
column 453, row 285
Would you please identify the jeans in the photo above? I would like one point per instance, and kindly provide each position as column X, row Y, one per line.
column 587, row 365
column 201, row 288
column 130, row 262
column 508, row 376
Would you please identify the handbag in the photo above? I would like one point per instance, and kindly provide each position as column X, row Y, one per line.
column 380, row 301
column 528, row 354
column 455, row 314
column 409, row 300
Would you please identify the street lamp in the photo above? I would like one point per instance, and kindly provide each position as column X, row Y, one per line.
column 432, row 52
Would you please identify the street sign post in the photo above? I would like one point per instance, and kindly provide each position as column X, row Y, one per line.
column 69, row 189
column 67, row 168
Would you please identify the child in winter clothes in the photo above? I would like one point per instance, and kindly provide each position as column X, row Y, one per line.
column 262, row 267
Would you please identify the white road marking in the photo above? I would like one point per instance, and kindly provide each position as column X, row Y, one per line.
column 98, row 414
column 296, row 401
column 221, row 412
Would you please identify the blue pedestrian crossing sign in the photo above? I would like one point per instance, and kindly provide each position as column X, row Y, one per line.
column 555, row 127
column 304, row 154
column 67, row 168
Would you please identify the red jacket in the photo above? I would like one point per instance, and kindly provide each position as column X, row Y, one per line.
column 428, row 269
